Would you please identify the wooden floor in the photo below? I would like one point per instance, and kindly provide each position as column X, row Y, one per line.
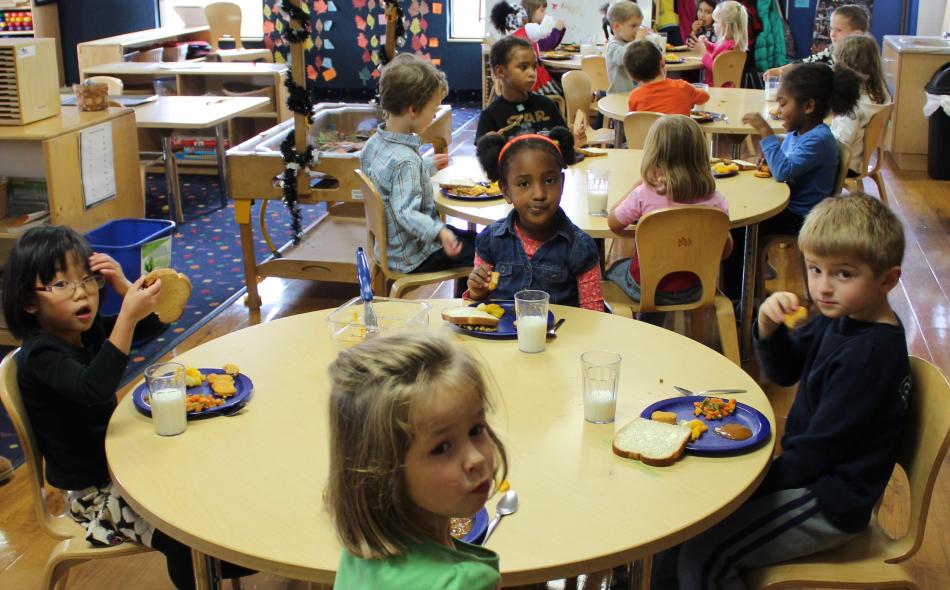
column 921, row 300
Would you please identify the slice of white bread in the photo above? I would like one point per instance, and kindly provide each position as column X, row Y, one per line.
column 176, row 289
column 469, row 316
column 654, row 443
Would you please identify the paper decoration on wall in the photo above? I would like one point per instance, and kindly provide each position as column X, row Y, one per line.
column 436, row 8
column 331, row 7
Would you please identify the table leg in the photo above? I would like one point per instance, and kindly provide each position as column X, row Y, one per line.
column 204, row 571
column 172, row 186
column 618, row 134
column 222, row 164
column 242, row 215
column 747, row 296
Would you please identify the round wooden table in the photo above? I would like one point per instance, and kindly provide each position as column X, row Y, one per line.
column 731, row 102
column 691, row 61
column 247, row 488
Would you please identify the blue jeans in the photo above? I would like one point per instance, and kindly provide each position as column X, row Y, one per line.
column 620, row 273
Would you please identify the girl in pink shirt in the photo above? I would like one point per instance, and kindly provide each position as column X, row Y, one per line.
column 674, row 172
column 731, row 25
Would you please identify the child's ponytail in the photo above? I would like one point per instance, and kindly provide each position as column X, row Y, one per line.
column 487, row 150
column 565, row 141
column 501, row 15
column 845, row 91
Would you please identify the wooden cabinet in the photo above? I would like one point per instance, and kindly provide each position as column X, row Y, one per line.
column 43, row 22
column 906, row 72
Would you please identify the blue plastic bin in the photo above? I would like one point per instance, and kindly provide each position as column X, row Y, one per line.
column 138, row 245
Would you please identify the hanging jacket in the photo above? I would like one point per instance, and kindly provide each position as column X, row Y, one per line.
column 770, row 42
column 686, row 9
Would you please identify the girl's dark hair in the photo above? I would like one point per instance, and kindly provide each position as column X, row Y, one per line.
column 501, row 49
column 489, row 146
column 40, row 252
column 709, row 3
column 836, row 90
column 499, row 16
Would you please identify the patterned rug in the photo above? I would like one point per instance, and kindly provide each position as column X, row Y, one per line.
column 207, row 248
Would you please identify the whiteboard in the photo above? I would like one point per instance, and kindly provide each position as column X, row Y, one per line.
column 582, row 17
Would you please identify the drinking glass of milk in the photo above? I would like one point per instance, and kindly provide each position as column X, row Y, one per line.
column 166, row 397
column 598, row 180
column 600, row 371
column 531, row 310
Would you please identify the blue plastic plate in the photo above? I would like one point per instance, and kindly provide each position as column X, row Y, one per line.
column 479, row 526
column 242, row 383
column 459, row 197
column 506, row 325
column 711, row 443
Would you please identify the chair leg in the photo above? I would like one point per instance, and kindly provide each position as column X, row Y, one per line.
column 56, row 573
column 879, row 181
column 697, row 320
column 728, row 336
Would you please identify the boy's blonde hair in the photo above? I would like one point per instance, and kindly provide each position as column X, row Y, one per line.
column 675, row 149
column 408, row 81
column 622, row 11
column 861, row 54
column 377, row 389
column 855, row 225
column 735, row 23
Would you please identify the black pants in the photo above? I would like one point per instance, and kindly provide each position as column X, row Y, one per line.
column 439, row 260
column 785, row 223
column 179, row 564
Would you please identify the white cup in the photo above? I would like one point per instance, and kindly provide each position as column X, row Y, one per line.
column 771, row 87
column 166, row 397
column 531, row 310
column 600, row 371
column 598, row 184
column 659, row 39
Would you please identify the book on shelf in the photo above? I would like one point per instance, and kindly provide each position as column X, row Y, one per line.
column 21, row 223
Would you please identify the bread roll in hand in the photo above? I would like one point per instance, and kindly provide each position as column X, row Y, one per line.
column 176, row 290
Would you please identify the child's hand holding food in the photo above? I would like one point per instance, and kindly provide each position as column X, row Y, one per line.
column 773, row 310
column 139, row 300
column 480, row 282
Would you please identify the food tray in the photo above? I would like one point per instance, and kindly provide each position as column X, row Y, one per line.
column 393, row 315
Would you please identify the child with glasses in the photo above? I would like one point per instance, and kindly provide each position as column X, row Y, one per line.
column 68, row 370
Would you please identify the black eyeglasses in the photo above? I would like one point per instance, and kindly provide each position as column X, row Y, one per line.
column 68, row 288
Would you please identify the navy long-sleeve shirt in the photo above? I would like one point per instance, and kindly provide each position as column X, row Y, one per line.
column 842, row 431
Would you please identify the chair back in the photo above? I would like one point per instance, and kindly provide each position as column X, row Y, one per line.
column 636, row 125
column 577, row 95
column 874, row 137
column 680, row 239
column 844, row 158
column 727, row 69
column 376, row 236
column 114, row 85
column 13, row 403
column 595, row 66
column 923, row 448
column 224, row 20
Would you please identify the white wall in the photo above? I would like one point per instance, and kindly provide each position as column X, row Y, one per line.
column 931, row 16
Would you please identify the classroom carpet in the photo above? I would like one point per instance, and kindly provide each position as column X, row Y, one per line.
column 207, row 248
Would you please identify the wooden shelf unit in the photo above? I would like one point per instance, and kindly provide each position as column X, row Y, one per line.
column 45, row 25
column 114, row 49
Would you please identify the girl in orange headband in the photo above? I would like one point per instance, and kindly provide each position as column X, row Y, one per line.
column 536, row 246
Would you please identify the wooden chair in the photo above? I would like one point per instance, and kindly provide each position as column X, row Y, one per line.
column 873, row 559
column 577, row 95
column 682, row 239
column 636, row 125
column 844, row 158
column 73, row 548
column 115, row 85
column 376, row 237
column 595, row 66
column 727, row 69
column 873, row 143
column 224, row 20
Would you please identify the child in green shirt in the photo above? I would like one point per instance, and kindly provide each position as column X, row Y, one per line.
column 409, row 450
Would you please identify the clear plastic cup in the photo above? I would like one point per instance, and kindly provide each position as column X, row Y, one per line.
column 600, row 371
column 531, row 310
column 166, row 397
column 771, row 87
column 598, row 184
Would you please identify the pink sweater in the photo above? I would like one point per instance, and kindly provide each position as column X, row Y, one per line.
column 712, row 50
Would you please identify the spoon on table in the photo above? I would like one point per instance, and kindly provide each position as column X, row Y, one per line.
column 507, row 505
column 685, row 391
column 552, row 333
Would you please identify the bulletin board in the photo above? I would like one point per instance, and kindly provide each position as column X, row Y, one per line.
column 582, row 17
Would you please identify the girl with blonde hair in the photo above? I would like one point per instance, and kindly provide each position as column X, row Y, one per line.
column 674, row 172
column 410, row 449
column 731, row 25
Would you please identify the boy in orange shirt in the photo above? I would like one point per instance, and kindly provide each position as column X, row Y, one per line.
column 656, row 92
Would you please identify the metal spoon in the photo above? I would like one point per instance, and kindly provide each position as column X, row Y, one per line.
column 552, row 333
column 507, row 505
column 685, row 391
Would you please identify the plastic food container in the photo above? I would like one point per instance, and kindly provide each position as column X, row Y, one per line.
column 393, row 315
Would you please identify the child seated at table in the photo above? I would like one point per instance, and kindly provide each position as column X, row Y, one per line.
column 674, row 172
column 656, row 92
column 410, row 449
column 703, row 25
column 846, row 21
column 529, row 21
column 410, row 91
column 861, row 54
column 68, row 370
column 731, row 23
column 518, row 110
column 625, row 19
column 848, row 417
column 536, row 246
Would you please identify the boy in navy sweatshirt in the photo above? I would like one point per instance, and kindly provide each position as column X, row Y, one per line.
column 843, row 429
